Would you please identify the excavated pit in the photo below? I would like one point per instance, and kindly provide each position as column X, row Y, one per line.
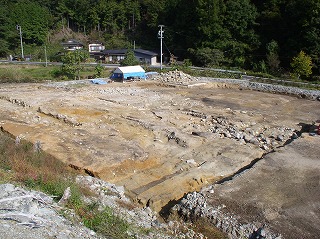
column 159, row 142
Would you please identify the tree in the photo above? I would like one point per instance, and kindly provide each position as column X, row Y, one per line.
column 240, row 20
column 72, row 63
column 33, row 19
column 98, row 69
column 4, row 31
column 207, row 57
column 129, row 59
column 302, row 65
column 272, row 56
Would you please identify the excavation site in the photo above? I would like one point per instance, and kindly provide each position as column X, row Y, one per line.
column 246, row 157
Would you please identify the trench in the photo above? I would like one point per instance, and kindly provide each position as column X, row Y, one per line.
column 166, row 210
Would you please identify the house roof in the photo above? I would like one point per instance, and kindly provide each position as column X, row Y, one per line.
column 124, row 51
column 128, row 69
column 72, row 43
column 115, row 52
column 145, row 52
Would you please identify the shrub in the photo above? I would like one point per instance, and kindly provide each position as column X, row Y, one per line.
column 129, row 59
column 98, row 69
column 302, row 65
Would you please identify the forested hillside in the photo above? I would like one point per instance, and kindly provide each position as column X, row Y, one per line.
column 248, row 34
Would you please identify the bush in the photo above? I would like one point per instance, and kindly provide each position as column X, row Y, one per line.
column 129, row 59
column 302, row 65
column 98, row 70
column 72, row 63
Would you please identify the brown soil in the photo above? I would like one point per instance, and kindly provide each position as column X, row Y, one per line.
column 120, row 132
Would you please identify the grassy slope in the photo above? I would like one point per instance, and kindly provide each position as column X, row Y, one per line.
column 10, row 73
column 22, row 165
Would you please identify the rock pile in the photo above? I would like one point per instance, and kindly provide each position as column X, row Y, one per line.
column 114, row 196
column 15, row 101
column 194, row 206
column 33, row 215
column 266, row 138
column 26, row 214
column 175, row 77
column 303, row 93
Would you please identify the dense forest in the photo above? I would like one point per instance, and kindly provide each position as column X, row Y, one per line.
column 246, row 34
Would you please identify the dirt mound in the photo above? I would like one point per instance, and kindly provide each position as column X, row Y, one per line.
column 176, row 77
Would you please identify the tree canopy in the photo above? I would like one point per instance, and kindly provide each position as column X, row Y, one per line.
column 236, row 33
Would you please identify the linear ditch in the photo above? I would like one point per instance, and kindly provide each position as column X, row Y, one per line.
column 219, row 219
column 305, row 128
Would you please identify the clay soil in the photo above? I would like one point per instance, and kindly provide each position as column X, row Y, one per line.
column 155, row 139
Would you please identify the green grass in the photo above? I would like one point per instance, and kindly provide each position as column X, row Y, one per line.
column 25, row 73
column 10, row 73
column 104, row 221
column 21, row 165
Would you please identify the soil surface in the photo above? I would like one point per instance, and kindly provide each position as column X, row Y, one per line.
column 161, row 141
column 281, row 191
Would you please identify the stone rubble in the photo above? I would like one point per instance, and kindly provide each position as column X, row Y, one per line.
column 194, row 206
column 114, row 196
column 28, row 214
column 245, row 133
column 180, row 78
column 176, row 77
column 279, row 89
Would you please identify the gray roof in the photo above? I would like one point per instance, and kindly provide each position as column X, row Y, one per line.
column 72, row 42
column 124, row 51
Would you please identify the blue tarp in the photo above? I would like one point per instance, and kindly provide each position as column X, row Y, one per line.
column 129, row 72
column 98, row 81
column 151, row 74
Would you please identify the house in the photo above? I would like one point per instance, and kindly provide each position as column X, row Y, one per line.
column 143, row 56
column 114, row 56
column 128, row 72
column 96, row 47
column 72, row 45
column 95, row 51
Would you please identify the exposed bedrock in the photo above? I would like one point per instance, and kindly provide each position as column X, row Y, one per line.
column 159, row 142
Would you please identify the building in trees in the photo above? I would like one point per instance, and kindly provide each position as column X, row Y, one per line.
column 72, row 45
column 143, row 56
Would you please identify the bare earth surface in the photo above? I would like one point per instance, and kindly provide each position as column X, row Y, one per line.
column 280, row 191
column 162, row 141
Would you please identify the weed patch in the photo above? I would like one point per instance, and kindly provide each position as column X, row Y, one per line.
column 104, row 221
column 41, row 171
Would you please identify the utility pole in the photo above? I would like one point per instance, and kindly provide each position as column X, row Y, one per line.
column 45, row 55
column 20, row 32
column 160, row 35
